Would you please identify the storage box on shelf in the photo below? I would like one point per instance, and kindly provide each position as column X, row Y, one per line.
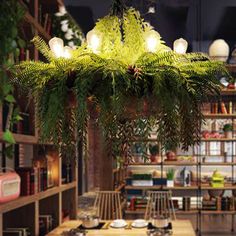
column 46, row 198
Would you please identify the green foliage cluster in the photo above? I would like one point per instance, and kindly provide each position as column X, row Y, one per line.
column 11, row 14
column 228, row 127
column 141, row 176
column 154, row 149
column 170, row 174
column 121, row 76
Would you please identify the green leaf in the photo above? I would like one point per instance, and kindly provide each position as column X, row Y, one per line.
column 7, row 88
column 8, row 151
column 9, row 98
column 21, row 43
column 18, row 118
column 8, row 137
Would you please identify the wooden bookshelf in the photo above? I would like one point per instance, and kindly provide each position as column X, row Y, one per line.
column 26, row 209
column 204, row 212
column 217, row 163
column 142, row 212
column 22, row 138
column 218, row 139
column 30, row 19
column 219, row 116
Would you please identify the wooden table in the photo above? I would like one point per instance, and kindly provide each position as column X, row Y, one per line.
column 180, row 228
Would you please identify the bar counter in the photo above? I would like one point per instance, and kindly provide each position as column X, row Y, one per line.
column 180, row 228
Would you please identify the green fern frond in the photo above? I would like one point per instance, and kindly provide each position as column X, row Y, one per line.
column 42, row 47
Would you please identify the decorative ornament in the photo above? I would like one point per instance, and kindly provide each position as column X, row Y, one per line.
column 57, row 46
column 219, row 50
column 94, row 40
column 180, row 46
column 152, row 40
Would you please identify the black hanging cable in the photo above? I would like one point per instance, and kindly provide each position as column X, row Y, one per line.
column 117, row 9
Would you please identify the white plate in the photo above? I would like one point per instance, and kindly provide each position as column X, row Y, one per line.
column 139, row 226
column 116, row 226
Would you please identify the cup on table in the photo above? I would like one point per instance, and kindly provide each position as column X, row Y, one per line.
column 119, row 223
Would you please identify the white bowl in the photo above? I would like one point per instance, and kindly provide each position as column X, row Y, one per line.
column 139, row 223
column 118, row 223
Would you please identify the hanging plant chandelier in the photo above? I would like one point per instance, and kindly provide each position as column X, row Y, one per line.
column 123, row 66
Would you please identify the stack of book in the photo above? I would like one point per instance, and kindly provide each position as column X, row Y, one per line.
column 33, row 180
column 45, row 224
column 209, row 204
column 16, row 232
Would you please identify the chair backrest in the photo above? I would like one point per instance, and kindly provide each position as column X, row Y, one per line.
column 160, row 204
column 108, row 205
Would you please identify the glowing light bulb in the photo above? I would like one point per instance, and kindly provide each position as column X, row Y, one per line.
column 180, row 46
column 94, row 40
column 67, row 52
column 152, row 41
column 57, row 46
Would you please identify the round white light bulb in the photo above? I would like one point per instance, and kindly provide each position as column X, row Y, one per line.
column 180, row 46
column 57, row 46
column 219, row 50
column 94, row 40
column 67, row 52
column 152, row 40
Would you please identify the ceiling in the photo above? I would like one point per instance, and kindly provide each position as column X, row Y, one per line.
column 199, row 21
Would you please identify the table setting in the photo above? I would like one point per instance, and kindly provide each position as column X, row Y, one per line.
column 156, row 226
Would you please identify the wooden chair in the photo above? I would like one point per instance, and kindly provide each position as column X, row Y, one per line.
column 108, row 205
column 160, row 204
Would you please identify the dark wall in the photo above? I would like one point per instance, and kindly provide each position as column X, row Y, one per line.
column 199, row 21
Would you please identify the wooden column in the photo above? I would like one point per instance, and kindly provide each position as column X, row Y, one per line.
column 36, row 220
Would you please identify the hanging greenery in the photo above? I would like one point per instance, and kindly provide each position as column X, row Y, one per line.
column 11, row 14
column 120, row 77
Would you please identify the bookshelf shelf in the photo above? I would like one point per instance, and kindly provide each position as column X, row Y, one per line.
column 65, row 187
column 228, row 92
column 22, row 201
column 231, row 67
column 218, row 139
column 216, row 164
column 22, row 138
column 220, row 116
column 178, row 212
column 204, row 212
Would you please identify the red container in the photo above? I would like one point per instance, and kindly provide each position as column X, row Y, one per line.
column 9, row 186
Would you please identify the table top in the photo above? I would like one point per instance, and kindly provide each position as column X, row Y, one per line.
column 180, row 228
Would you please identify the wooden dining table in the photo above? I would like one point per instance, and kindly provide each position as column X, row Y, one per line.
column 179, row 228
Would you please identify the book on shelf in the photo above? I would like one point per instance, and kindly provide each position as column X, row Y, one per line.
column 33, row 180
column 45, row 224
column 16, row 231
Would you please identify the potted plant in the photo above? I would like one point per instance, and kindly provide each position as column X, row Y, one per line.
column 170, row 177
column 138, row 152
column 154, row 150
column 228, row 130
column 142, row 179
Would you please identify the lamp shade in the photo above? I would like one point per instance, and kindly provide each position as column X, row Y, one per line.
column 180, row 46
column 219, row 50
column 94, row 40
column 67, row 52
column 57, row 46
column 152, row 41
